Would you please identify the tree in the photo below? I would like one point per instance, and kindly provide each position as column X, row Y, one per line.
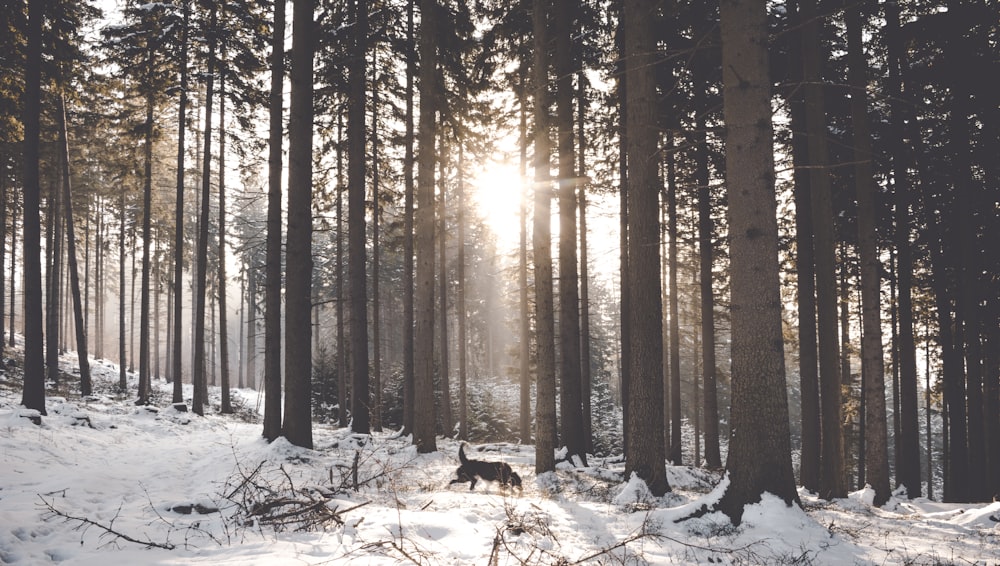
column 571, row 404
column 545, row 400
column 907, row 442
column 357, row 253
column 805, row 266
column 297, row 424
column 760, row 461
column 199, row 379
column 423, row 297
column 74, row 272
column 832, row 473
column 33, row 393
column 227, row 406
column 645, row 455
column 178, row 390
column 408, row 160
column 876, row 434
column 272, row 276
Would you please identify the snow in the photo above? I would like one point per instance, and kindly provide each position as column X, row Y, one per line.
column 191, row 489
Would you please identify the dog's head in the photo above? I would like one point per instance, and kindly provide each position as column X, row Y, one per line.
column 515, row 481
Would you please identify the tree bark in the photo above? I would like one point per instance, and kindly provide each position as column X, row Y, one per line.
column 33, row 392
column 832, row 473
column 646, row 456
column 908, row 441
column 227, row 407
column 545, row 395
column 356, row 249
column 876, row 442
column 296, row 426
column 177, row 337
column 74, row 273
column 199, row 377
column 423, row 367
column 760, row 461
column 272, row 263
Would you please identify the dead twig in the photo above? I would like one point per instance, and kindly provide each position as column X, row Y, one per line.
column 108, row 529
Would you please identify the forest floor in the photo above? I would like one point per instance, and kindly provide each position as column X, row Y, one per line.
column 102, row 481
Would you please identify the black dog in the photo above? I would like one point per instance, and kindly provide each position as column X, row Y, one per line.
column 474, row 470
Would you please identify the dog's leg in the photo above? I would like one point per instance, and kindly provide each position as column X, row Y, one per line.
column 472, row 484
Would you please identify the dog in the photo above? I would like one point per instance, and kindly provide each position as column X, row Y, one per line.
column 474, row 470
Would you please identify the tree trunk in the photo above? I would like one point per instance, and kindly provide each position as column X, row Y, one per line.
column 272, row 262
column 81, row 332
column 357, row 255
column 713, row 456
column 227, row 407
column 13, row 279
column 908, row 441
column 376, row 386
column 444, row 379
column 3, row 239
column 423, row 343
column 178, row 332
column 53, row 276
column 675, row 454
column 122, row 367
column 342, row 397
column 586, row 378
column 759, row 462
column 832, row 472
column 545, row 395
column 199, row 377
column 522, row 272
column 876, row 443
column 33, row 392
column 297, row 424
column 408, row 183
column 645, row 451
column 463, row 393
column 147, row 242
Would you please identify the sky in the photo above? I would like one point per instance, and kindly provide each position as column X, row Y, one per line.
column 101, row 469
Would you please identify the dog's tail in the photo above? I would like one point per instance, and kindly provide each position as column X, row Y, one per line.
column 461, row 455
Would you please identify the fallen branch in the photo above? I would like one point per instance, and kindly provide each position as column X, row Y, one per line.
column 108, row 529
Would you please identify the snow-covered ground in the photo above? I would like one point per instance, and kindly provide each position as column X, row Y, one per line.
column 102, row 481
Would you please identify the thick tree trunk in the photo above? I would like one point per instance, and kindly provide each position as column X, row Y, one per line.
column 423, row 343
column 297, row 423
column 758, row 462
column 571, row 402
column 33, row 392
column 645, row 451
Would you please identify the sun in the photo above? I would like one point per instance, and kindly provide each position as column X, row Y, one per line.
column 497, row 190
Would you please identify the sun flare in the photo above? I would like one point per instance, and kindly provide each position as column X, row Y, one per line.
column 497, row 190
